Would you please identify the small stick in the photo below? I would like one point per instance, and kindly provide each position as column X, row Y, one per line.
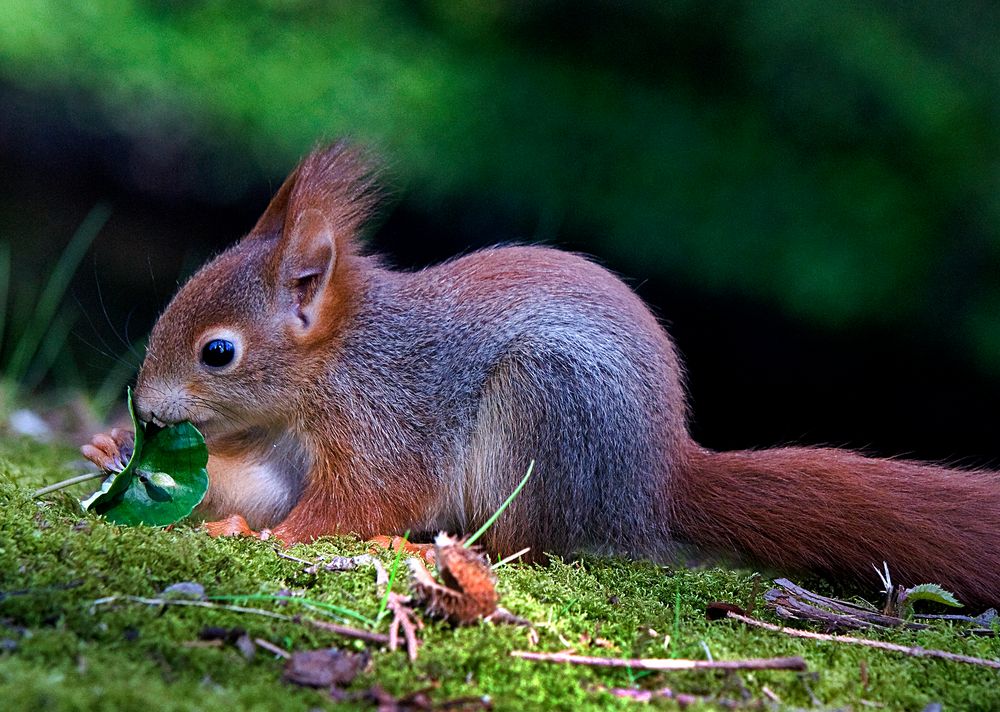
column 344, row 630
column 348, row 632
column 515, row 555
column 795, row 663
column 272, row 648
column 296, row 559
column 914, row 651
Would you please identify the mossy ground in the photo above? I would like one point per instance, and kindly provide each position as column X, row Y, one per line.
column 62, row 652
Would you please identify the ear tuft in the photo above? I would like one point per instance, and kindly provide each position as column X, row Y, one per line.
column 318, row 212
column 339, row 182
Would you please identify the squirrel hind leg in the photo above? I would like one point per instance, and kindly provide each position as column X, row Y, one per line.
column 594, row 485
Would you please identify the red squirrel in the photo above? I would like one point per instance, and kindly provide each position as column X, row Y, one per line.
column 339, row 396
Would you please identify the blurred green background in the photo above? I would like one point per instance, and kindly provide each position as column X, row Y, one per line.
column 809, row 192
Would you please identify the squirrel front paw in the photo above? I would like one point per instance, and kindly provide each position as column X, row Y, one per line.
column 110, row 451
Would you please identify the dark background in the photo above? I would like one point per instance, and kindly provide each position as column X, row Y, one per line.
column 807, row 193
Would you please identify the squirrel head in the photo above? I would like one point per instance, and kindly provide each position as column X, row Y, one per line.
column 235, row 346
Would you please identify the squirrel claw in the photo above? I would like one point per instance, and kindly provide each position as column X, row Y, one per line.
column 233, row 525
column 112, row 451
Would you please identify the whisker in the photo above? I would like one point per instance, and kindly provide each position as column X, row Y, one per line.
column 108, row 351
column 104, row 306
column 129, row 342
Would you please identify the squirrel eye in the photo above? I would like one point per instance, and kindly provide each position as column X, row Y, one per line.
column 218, row 353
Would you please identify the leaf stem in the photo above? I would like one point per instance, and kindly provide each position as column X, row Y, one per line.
column 68, row 483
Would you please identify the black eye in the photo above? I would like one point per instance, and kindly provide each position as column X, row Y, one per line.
column 218, row 353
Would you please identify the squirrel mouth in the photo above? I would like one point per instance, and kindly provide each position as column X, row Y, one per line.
column 153, row 420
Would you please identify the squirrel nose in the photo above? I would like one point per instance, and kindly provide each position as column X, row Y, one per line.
column 147, row 415
column 144, row 413
column 152, row 406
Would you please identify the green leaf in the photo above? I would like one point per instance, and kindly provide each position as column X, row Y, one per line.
column 162, row 483
column 117, row 482
column 930, row 592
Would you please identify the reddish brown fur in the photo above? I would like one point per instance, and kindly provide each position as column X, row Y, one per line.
column 837, row 512
column 336, row 184
column 347, row 509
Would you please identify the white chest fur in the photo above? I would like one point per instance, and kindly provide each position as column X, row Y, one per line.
column 261, row 479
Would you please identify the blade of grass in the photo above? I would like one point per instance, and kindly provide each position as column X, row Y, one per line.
column 307, row 602
column 51, row 348
column 48, row 302
column 383, row 607
column 4, row 285
column 496, row 515
column 675, row 640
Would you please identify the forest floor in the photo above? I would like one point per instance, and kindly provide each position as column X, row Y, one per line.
column 75, row 636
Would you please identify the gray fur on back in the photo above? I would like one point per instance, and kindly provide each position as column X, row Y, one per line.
column 480, row 365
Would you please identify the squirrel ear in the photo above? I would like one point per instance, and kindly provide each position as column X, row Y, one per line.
column 322, row 206
column 308, row 260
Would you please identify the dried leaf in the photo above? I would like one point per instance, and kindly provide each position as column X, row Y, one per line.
column 467, row 591
column 324, row 668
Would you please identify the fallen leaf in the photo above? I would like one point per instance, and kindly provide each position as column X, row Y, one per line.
column 324, row 668
column 467, row 591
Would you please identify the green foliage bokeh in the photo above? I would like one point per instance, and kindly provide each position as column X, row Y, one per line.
column 837, row 160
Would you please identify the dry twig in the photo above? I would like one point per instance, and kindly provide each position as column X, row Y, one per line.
column 793, row 663
column 296, row 559
column 190, row 602
column 272, row 648
column 683, row 699
column 348, row 632
column 344, row 630
column 915, row 651
column 796, row 603
column 402, row 617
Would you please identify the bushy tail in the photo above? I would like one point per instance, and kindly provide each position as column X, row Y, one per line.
column 836, row 513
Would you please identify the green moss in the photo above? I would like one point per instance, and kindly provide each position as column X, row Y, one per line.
column 70, row 654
